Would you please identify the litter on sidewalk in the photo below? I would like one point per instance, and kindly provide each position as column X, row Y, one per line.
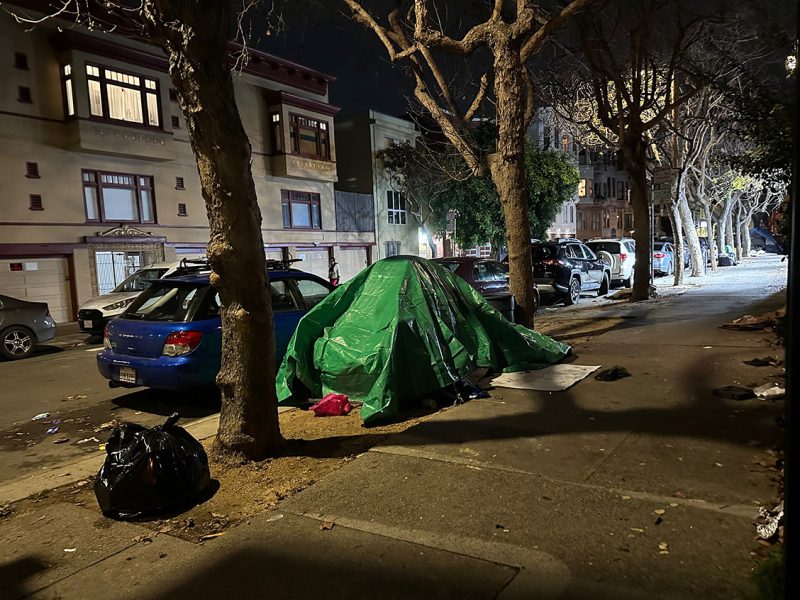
column 40, row 416
column 332, row 405
column 767, row 361
column 734, row 392
column 768, row 521
column 613, row 374
column 150, row 470
column 753, row 323
column 554, row 378
column 769, row 390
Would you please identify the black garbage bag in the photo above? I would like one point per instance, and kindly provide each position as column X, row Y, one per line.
column 150, row 470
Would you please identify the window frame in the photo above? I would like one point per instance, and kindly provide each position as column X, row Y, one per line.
column 396, row 214
column 142, row 88
column 310, row 199
column 97, row 184
column 323, row 146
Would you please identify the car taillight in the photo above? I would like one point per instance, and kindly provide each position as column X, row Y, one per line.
column 623, row 257
column 106, row 340
column 658, row 255
column 181, row 342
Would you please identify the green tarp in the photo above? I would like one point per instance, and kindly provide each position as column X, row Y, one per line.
column 402, row 328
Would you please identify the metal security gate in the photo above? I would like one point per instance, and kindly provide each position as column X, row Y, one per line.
column 114, row 267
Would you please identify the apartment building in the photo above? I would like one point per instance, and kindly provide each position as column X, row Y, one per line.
column 397, row 226
column 99, row 174
column 604, row 208
column 545, row 134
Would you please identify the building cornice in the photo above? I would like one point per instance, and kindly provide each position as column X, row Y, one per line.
column 278, row 97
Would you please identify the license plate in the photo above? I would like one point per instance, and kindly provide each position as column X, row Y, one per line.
column 127, row 375
column 87, row 324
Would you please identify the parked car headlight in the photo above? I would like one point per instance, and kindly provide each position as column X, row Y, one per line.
column 120, row 304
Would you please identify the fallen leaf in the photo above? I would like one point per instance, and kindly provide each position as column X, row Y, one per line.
column 673, row 504
column 637, row 529
column 626, row 497
column 211, row 536
column 659, row 511
column 326, row 525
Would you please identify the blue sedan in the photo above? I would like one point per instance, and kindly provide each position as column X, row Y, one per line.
column 170, row 337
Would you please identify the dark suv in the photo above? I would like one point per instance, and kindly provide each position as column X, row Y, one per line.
column 568, row 268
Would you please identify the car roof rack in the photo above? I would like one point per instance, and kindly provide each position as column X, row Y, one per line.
column 188, row 266
column 282, row 264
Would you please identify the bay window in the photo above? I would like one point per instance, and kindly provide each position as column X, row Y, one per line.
column 310, row 137
column 118, row 96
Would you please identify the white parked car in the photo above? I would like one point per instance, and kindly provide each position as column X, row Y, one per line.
column 94, row 314
column 622, row 254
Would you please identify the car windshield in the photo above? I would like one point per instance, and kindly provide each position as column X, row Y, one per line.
column 140, row 280
column 167, row 302
column 542, row 252
column 610, row 247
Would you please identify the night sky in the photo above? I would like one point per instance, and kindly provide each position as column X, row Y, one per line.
column 335, row 45
column 327, row 40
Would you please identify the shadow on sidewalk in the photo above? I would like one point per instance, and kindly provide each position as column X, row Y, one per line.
column 14, row 575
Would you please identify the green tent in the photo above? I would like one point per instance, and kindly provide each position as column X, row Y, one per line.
column 402, row 328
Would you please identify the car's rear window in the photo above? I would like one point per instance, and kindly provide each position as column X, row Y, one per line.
column 166, row 302
column 610, row 247
column 489, row 272
column 659, row 246
column 543, row 252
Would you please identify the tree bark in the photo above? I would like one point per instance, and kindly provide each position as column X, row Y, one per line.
column 195, row 37
column 677, row 246
column 634, row 155
column 507, row 170
column 692, row 239
column 712, row 245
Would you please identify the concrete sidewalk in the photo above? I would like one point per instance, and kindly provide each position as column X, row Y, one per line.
column 641, row 488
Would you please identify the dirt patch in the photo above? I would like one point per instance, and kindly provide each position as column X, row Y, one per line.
column 577, row 331
column 315, row 446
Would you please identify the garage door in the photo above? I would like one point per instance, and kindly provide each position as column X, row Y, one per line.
column 313, row 261
column 351, row 261
column 38, row 280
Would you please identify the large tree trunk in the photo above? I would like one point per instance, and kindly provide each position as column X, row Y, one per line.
column 507, row 170
column 195, row 37
column 677, row 245
column 725, row 236
column 712, row 246
column 635, row 158
column 692, row 239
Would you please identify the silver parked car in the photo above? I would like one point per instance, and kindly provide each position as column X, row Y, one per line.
column 23, row 324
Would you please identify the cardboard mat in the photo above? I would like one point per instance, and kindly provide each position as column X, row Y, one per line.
column 554, row 378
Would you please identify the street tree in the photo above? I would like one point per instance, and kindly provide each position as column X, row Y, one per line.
column 434, row 169
column 196, row 38
column 415, row 34
column 638, row 64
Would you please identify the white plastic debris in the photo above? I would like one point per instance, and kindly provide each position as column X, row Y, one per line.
column 769, row 390
column 771, row 519
column 40, row 416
